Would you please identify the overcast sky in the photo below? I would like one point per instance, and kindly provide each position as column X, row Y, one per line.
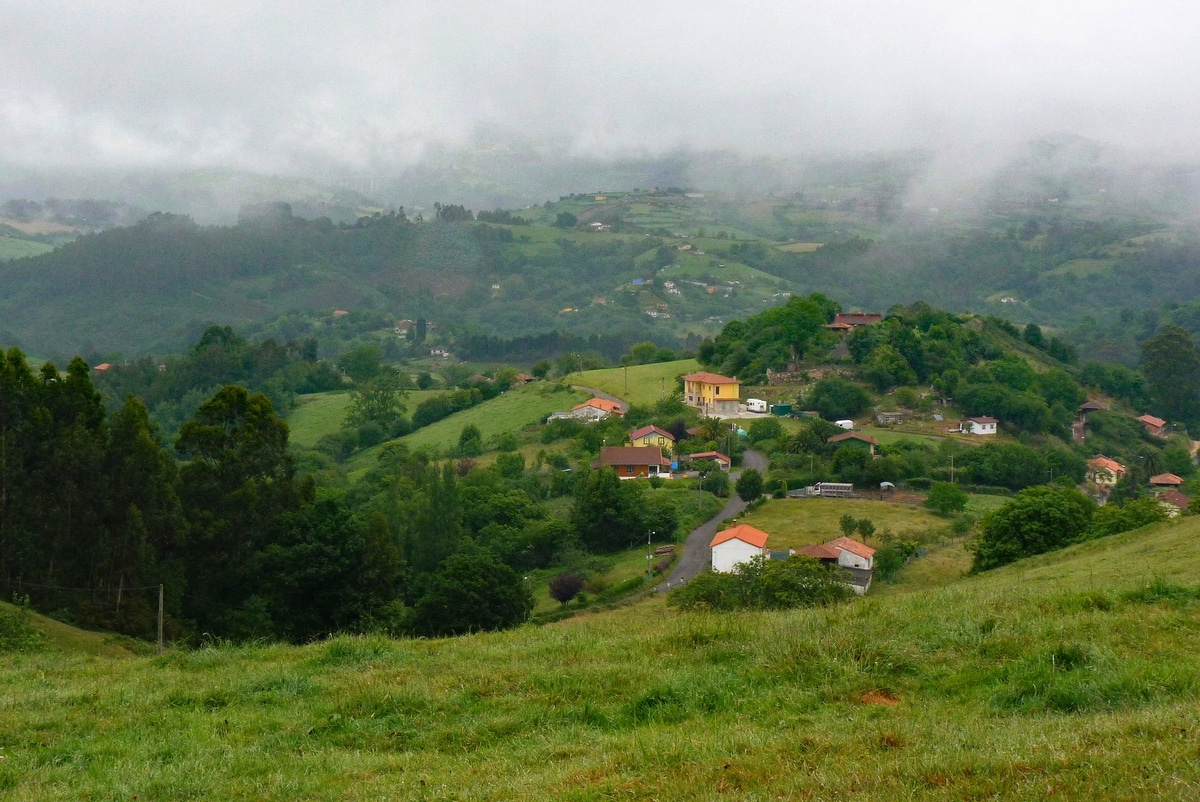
column 299, row 86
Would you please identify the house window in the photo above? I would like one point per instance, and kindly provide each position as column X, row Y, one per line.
column 717, row 390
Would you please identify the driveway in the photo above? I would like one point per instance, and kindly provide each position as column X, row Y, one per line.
column 697, row 556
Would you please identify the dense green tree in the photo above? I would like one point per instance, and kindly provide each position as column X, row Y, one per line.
column 1170, row 361
column 946, row 499
column 1036, row 520
column 607, row 512
column 471, row 591
column 836, row 398
column 749, row 485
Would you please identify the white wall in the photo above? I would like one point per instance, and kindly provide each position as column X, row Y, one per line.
column 849, row 559
column 728, row 554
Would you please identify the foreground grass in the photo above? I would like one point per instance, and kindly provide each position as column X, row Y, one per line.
column 639, row 384
column 792, row 523
column 1070, row 676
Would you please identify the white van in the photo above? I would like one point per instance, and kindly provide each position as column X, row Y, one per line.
column 848, row 425
column 756, row 405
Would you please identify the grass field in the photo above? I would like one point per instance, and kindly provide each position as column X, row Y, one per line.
column 796, row 522
column 1068, row 676
column 640, row 384
column 512, row 411
column 13, row 248
column 318, row 414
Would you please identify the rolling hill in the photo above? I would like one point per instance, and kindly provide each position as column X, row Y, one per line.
column 1071, row 675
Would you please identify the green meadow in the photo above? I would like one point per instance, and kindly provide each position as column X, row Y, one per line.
column 638, row 384
column 1072, row 675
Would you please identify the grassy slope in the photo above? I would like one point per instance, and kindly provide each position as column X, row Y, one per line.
column 1037, row 681
column 318, row 414
column 14, row 248
column 646, row 383
column 510, row 412
column 792, row 523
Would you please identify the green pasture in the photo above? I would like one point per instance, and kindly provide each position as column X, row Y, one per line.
column 1071, row 676
column 796, row 522
column 15, row 248
column 318, row 414
column 638, row 384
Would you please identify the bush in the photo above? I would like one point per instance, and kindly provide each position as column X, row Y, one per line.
column 565, row 586
column 17, row 633
column 946, row 499
column 1035, row 521
column 764, row 585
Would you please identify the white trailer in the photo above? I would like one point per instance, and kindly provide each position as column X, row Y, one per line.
column 756, row 405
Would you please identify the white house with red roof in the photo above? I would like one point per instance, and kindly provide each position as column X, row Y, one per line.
column 982, row 425
column 857, row 558
column 736, row 545
column 1104, row 471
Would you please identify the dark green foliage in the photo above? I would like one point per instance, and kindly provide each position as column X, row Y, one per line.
column 471, row 591
column 772, row 339
column 848, row 524
column 946, row 499
column 749, row 485
column 836, row 398
column 565, row 586
column 566, row 220
column 608, row 513
column 1016, row 466
column 1111, row 518
column 1036, row 520
column 1171, row 364
column 892, row 557
column 764, row 585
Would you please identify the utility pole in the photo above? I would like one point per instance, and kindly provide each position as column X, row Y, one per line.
column 649, row 535
column 160, row 619
column 951, row 469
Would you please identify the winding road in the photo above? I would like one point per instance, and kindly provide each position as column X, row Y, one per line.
column 697, row 556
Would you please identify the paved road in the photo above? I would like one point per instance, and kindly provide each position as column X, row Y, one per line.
column 697, row 556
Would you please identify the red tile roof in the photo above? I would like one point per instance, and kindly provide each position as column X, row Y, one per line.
column 1166, row 480
column 1150, row 420
column 710, row 455
column 1176, row 499
column 103, row 366
column 820, row 551
column 857, row 318
column 652, row 429
column 853, row 546
column 742, row 532
column 599, row 403
column 983, row 419
column 1107, row 464
column 709, row 378
column 853, row 436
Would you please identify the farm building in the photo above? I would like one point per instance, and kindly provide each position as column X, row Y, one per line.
column 736, row 545
column 852, row 438
column 858, row 559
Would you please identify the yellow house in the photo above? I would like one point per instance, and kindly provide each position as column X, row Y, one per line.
column 653, row 437
column 711, row 393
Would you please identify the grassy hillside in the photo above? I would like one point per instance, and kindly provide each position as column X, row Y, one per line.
column 1068, row 676
column 318, row 414
column 640, row 384
column 801, row 522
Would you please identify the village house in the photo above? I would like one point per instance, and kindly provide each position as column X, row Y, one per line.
column 982, row 425
column 1104, row 471
column 736, row 545
column 593, row 409
column 711, row 393
column 1174, row 503
column 1166, row 481
column 716, row 456
column 855, row 437
column 652, row 437
column 858, row 559
column 633, row 463
column 1157, row 427
column 851, row 320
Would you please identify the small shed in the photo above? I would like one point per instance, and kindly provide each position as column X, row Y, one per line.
column 982, row 425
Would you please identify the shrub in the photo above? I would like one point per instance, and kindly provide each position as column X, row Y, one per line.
column 565, row 586
column 764, row 585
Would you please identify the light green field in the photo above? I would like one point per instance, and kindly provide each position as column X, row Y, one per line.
column 1070, row 676
column 318, row 414
column 13, row 248
column 512, row 411
column 796, row 522
column 1083, row 267
column 639, row 384
column 800, row 247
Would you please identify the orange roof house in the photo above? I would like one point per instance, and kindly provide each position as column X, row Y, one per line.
column 602, row 404
column 103, row 366
column 711, row 393
column 633, row 463
column 850, row 320
column 736, row 545
column 1104, row 471
column 1174, row 502
column 1166, row 480
column 1155, row 426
